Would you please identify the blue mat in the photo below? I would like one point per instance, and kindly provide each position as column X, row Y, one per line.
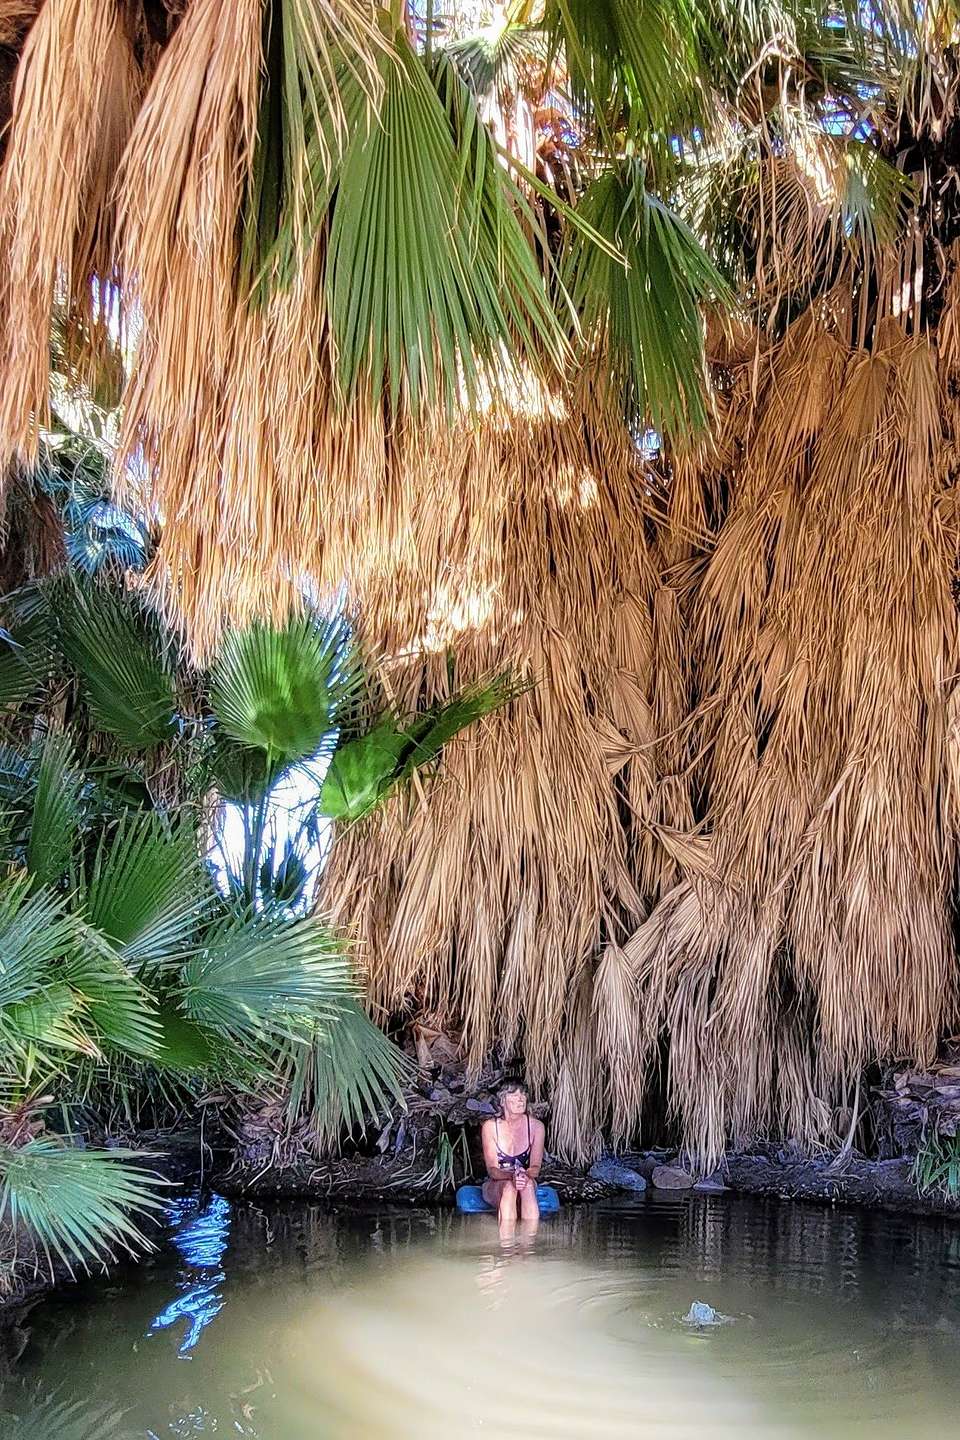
column 470, row 1200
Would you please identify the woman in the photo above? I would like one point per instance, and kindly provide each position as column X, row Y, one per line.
column 513, row 1153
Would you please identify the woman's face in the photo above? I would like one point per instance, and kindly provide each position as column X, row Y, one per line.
column 514, row 1103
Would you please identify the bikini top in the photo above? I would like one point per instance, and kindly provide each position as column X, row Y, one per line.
column 507, row 1162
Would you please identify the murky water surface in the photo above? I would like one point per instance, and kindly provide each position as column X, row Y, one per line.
column 296, row 1322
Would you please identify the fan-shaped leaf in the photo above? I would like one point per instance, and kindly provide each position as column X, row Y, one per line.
column 259, row 975
column 283, row 875
column 281, row 691
column 85, row 1205
column 346, row 1076
column 638, row 60
column 491, row 61
column 647, row 314
column 363, row 770
column 25, row 656
column 241, row 774
column 321, row 82
column 122, row 1012
column 148, row 891
column 126, row 681
column 48, row 1019
column 35, row 934
column 421, row 309
column 877, row 196
column 56, row 812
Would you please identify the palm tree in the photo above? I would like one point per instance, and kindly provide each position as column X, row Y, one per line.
column 600, row 349
column 134, row 974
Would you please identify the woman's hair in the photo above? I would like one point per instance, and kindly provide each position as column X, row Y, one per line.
column 513, row 1087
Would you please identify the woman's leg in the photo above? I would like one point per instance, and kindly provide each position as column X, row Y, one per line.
column 529, row 1204
column 502, row 1195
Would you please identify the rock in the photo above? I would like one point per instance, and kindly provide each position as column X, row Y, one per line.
column 480, row 1107
column 710, row 1185
column 671, row 1177
column 611, row 1172
column 643, row 1161
column 701, row 1314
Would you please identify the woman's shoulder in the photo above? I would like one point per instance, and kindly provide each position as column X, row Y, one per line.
column 488, row 1125
column 537, row 1126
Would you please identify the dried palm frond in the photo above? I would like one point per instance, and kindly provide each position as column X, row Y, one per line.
column 16, row 17
column 790, row 212
column 827, row 632
column 618, row 1026
column 77, row 90
column 181, row 188
column 575, row 1132
column 518, row 543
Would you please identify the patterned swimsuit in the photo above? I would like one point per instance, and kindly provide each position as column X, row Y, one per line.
column 511, row 1162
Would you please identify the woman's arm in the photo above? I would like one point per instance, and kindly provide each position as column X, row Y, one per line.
column 538, row 1134
column 488, row 1134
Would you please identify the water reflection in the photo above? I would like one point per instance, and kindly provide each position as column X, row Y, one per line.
column 421, row 1323
column 48, row 1417
column 200, row 1236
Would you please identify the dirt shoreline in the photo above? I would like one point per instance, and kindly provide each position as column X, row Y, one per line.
column 763, row 1171
column 856, row 1183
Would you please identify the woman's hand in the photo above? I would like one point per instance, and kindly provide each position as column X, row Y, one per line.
column 522, row 1178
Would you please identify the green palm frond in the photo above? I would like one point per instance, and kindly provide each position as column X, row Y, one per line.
column 147, row 891
column 42, row 1018
column 126, row 681
column 35, row 934
column 347, row 1075
column 363, row 770
column 38, row 1032
column 497, row 222
column 122, row 1012
column 432, row 730
column 283, row 874
column 17, row 777
column 647, row 313
column 262, row 975
column 185, row 1046
column 101, row 538
column 366, row 768
column 321, row 83
column 25, row 654
column 239, row 773
column 490, row 63
column 282, row 692
column 83, row 1205
column 877, row 196
column 416, row 308
column 55, row 821
column 633, row 60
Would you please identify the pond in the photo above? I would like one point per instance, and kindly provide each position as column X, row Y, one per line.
column 301, row 1322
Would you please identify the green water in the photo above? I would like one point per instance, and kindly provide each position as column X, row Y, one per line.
column 295, row 1322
